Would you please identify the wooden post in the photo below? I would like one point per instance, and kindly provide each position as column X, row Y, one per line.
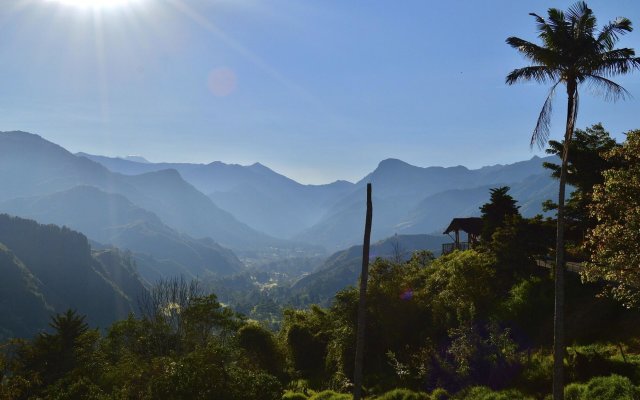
column 362, row 306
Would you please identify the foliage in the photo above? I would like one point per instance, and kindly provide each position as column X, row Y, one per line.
column 613, row 387
column 48, row 269
column 440, row 394
column 330, row 395
column 262, row 348
column 613, row 242
column 573, row 53
column 574, row 391
column 460, row 283
column 500, row 207
column 141, row 358
column 290, row 395
column 484, row 393
column 404, row 394
column 587, row 161
column 526, row 308
column 306, row 335
column 517, row 245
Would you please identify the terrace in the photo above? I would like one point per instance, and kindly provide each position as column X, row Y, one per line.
column 471, row 226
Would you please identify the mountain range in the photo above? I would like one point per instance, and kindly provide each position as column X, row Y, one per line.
column 130, row 222
column 199, row 219
column 255, row 194
column 407, row 199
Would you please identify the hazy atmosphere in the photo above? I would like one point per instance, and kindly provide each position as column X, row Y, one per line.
column 316, row 90
column 319, row 200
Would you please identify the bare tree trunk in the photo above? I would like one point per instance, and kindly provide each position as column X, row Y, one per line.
column 558, row 316
column 362, row 304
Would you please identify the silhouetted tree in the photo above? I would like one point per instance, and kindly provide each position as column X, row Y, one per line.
column 500, row 207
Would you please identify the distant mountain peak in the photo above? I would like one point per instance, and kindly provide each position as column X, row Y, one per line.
column 259, row 167
column 136, row 158
column 392, row 162
column 23, row 133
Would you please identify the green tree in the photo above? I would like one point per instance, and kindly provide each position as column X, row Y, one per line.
column 613, row 243
column 586, row 163
column 65, row 354
column 306, row 335
column 573, row 53
column 517, row 245
column 262, row 348
column 500, row 207
column 204, row 317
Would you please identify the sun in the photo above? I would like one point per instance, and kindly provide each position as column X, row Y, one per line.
column 95, row 3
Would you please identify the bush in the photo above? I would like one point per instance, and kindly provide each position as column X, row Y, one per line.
column 574, row 391
column 614, row 387
column 484, row 393
column 80, row 389
column 330, row 395
column 404, row 394
column 440, row 394
column 289, row 395
column 261, row 346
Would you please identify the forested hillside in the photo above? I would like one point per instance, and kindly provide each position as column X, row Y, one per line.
column 49, row 269
column 128, row 226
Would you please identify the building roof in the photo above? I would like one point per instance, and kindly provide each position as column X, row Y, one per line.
column 472, row 225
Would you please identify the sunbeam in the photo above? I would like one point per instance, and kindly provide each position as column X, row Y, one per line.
column 95, row 4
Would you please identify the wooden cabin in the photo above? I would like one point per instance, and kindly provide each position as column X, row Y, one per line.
column 471, row 226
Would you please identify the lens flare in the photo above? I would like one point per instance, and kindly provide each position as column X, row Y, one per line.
column 222, row 81
column 406, row 294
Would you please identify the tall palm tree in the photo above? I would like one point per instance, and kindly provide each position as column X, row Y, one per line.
column 573, row 53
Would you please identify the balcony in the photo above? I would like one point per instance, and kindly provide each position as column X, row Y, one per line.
column 449, row 247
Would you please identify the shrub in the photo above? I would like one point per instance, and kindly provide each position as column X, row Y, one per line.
column 404, row 394
column 80, row 389
column 614, row 387
column 484, row 393
column 261, row 346
column 289, row 395
column 330, row 395
column 440, row 394
column 574, row 391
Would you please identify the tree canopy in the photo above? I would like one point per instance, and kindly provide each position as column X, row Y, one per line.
column 613, row 242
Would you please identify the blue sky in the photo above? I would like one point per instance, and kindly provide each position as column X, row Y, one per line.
column 317, row 90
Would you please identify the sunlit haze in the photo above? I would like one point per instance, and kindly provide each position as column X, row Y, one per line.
column 95, row 3
column 316, row 90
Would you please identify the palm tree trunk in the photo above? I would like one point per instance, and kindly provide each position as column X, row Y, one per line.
column 558, row 321
column 362, row 305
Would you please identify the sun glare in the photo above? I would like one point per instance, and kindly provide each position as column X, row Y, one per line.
column 95, row 3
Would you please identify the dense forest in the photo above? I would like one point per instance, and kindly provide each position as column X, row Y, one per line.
column 474, row 324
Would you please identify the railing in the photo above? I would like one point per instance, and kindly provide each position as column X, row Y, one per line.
column 570, row 266
column 449, row 247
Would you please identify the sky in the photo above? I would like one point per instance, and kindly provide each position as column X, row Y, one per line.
column 317, row 90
